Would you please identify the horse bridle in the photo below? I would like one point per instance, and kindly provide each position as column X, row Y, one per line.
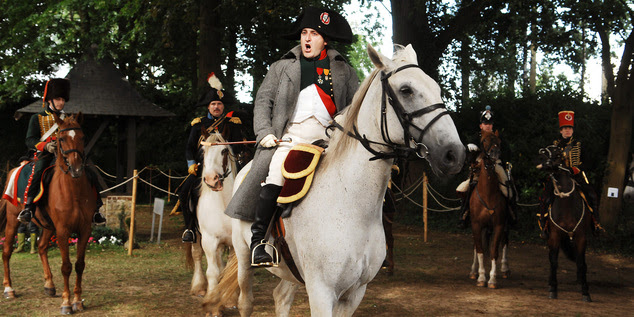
column 405, row 118
column 66, row 152
column 225, row 171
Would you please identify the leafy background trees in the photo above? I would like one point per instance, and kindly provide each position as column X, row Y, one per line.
column 482, row 52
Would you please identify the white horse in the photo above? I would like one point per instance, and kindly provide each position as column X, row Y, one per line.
column 628, row 192
column 335, row 233
column 219, row 170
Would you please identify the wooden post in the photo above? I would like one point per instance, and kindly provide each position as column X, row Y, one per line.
column 425, row 204
column 132, row 212
column 169, row 184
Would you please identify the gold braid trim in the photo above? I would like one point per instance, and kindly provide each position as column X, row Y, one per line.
column 575, row 154
column 46, row 122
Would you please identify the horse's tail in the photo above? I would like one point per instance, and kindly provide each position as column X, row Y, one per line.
column 568, row 248
column 189, row 257
column 226, row 293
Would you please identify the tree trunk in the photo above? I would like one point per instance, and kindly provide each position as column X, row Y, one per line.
column 532, row 80
column 210, row 42
column 620, row 137
column 465, row 56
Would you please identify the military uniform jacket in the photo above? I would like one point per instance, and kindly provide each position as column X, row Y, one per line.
column 274, row 105
column 228, row 125
column 573, row 156
column 39, row 124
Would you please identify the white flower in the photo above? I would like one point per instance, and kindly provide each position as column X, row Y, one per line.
column 101, row 240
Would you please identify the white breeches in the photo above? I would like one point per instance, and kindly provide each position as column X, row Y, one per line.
column 307, row 131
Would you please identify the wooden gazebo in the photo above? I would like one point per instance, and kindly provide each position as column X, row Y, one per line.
column 99, row 89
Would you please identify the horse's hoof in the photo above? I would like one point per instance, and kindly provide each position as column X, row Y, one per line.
column 552, row 295
column 78, row 306
column 481, row 284
column 66, row 310
column 9, row 295
column 50, row 291
column 492, row 285
column 586, row 298
column 473, row 276
column 506, row 274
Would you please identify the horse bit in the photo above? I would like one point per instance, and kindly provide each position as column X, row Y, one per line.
column 66, row 152
column 405, row 118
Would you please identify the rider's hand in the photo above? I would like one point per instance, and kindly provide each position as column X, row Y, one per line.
column 472, row 147
column 192, row 169
column 51, row 146
column 268, row 141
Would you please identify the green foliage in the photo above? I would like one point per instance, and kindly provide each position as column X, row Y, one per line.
column 100, row 232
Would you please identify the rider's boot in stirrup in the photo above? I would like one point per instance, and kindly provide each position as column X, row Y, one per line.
column 26, row 214
column 98, row 218
column 463, row 223
column 188, row 236
column 263, row 213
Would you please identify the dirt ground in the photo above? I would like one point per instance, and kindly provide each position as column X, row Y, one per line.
column 431, row 279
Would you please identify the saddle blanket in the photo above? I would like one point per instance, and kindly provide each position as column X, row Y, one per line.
column 17, row 186
column 298, row 170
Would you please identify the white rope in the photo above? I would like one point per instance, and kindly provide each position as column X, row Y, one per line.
column 103, row 172
column 443, row 197
column 163, row 190
column 175, row 177
column 115, row 186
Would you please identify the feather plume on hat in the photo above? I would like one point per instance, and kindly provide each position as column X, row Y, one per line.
column 215, row 83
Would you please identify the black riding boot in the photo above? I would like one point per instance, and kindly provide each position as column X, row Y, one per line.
column 263, row 213
column 98, row 219
column 29, row 208
column 463, row 223
column 512, row 208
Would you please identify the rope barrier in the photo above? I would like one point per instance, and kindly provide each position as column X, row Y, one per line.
column 104, row 172
column 163, row 190
column 174, row 177
column 441, row 196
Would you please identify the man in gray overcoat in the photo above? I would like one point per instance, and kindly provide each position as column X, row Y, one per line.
column 299, row 96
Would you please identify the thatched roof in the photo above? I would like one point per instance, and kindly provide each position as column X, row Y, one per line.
column 98, row 88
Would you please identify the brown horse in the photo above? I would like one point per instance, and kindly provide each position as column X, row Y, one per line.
column 488, row 213
column 569, row 220
column 70, row 206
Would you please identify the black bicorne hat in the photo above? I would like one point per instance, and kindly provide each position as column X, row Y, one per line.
column 215, row 93
column 57, row 88
column 327, row 22
column 486, row 116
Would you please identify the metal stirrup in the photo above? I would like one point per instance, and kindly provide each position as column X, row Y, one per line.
column 263, row 244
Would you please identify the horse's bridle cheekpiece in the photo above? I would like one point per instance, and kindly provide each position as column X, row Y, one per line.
column 66, row 152
column 405, row 118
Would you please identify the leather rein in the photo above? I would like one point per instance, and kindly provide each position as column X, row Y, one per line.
column 404, row 117
column 66, row 152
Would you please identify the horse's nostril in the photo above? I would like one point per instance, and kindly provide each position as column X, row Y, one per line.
column 450, row 157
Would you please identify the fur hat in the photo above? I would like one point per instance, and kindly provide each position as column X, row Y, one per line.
column 328, row 23
column 566, row 119
column 57, row 88
column 486, row 116
column 216, row 93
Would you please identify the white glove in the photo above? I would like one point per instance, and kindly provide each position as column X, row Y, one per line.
column 51, row 147
column 268, row 141
column 472, row 147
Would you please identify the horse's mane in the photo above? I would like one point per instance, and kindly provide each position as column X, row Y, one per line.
column 351, row 112
column 215, row 138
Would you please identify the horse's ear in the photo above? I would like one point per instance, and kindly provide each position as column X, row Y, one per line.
column 411, row 54
column 79, row 117
column 379, row 60
column 497, row 133
column 57, row 119
column 204, row 132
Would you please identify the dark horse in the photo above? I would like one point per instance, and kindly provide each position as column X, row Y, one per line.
column 488, row 213
column 70, row 206
column 569, row 218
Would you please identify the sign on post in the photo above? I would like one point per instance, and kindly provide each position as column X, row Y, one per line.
column 159, row 204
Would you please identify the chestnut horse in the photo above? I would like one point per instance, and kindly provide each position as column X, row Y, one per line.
column 488, row 213
column 70, row 206
column 569, row 220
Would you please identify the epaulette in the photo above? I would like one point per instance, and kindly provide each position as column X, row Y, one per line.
column 235, row 120
column 196, row 121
